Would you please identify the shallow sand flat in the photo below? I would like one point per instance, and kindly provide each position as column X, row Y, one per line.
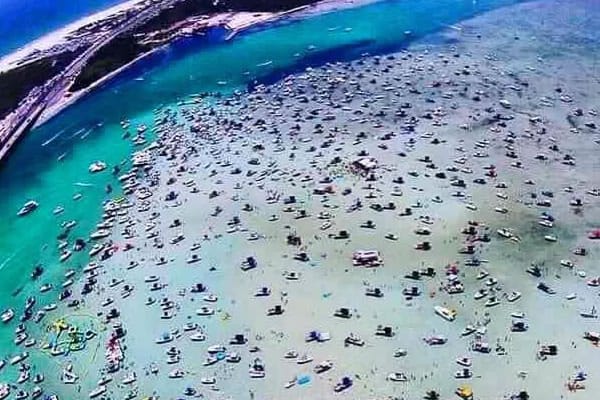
column 495, row 64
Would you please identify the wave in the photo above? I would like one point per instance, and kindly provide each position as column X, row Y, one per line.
column 83, row 184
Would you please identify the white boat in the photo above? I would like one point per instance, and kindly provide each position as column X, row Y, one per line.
column 505, row 233
column 64, row 256
column 208, row 380
column 204, row 310
column 100, row 390
column 176, row 373
column 211, row 298
column 27, row 208
column 304, row 359
column 397, row 377
column 513, row 296
column 129, row 379
column 447, row 314
column 4, row 390
column 97, row 248
column 198, row 337
column 464, row 361
column 216, row 348
column 7, row 315
column 97, row 166
column 100, row 234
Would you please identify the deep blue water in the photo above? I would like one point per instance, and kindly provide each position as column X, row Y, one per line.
column 22, row 21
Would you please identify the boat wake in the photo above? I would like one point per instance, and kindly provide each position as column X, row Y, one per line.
column 47, row 142
column 83, row 184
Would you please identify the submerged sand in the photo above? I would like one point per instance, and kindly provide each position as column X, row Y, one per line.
column 454, row 104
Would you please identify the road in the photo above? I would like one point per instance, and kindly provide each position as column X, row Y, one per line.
column 24, row 117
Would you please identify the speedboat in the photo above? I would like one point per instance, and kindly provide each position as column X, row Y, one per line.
column 4, row 390
column 129, row 379
column 397, row 377
column 342, row 385
column 290, row 354
column 204, row 310
column 27, row 208
column 216, row 348
column 97, row 166
column 208, row 380
column 7, row 315
column 164, row 338
column 323, row 366
column 492, row 301
column 465, row 373
column 176, row 373
column 198, row 337
column 100, row 234
column 304, row 359
column 464, row 361
column 513, row 296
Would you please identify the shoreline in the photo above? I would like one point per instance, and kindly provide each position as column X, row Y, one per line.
column 241, row 22
column 58, row 36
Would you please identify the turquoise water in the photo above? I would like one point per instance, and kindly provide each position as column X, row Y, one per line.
column 90, row 130
column 22, row 21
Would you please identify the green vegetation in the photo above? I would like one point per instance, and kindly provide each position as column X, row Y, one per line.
column 126, row 48
column 17, row 83
column 117, row 53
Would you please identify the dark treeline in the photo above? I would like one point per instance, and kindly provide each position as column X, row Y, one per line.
column 126, row 47
column 17, row 83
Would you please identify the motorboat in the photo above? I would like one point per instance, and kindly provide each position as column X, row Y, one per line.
column 27, row 208
column 100, row 234
column 290, row 354
column 435, row 340
column 323, row 366
column 176, row 373
column 96, row 166
column 208, row 380
column 492, row 301
column 4, row 390
column 257, row 370
column 481, row 293
column 342, row 385
column 513, row 296
column 7, row 315
column 464, row 361
column 397, row 377
column 304, row 359
column 198, row 337
column 205, row 311
column 164, row 338
column 354, row 340
column 465, row 373
column 447, row 314
column 216, row 348
column 233, row 357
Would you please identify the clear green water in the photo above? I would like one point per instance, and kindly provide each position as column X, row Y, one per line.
column 33, row 172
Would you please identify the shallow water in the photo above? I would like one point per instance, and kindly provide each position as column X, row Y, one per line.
column 90, row 130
